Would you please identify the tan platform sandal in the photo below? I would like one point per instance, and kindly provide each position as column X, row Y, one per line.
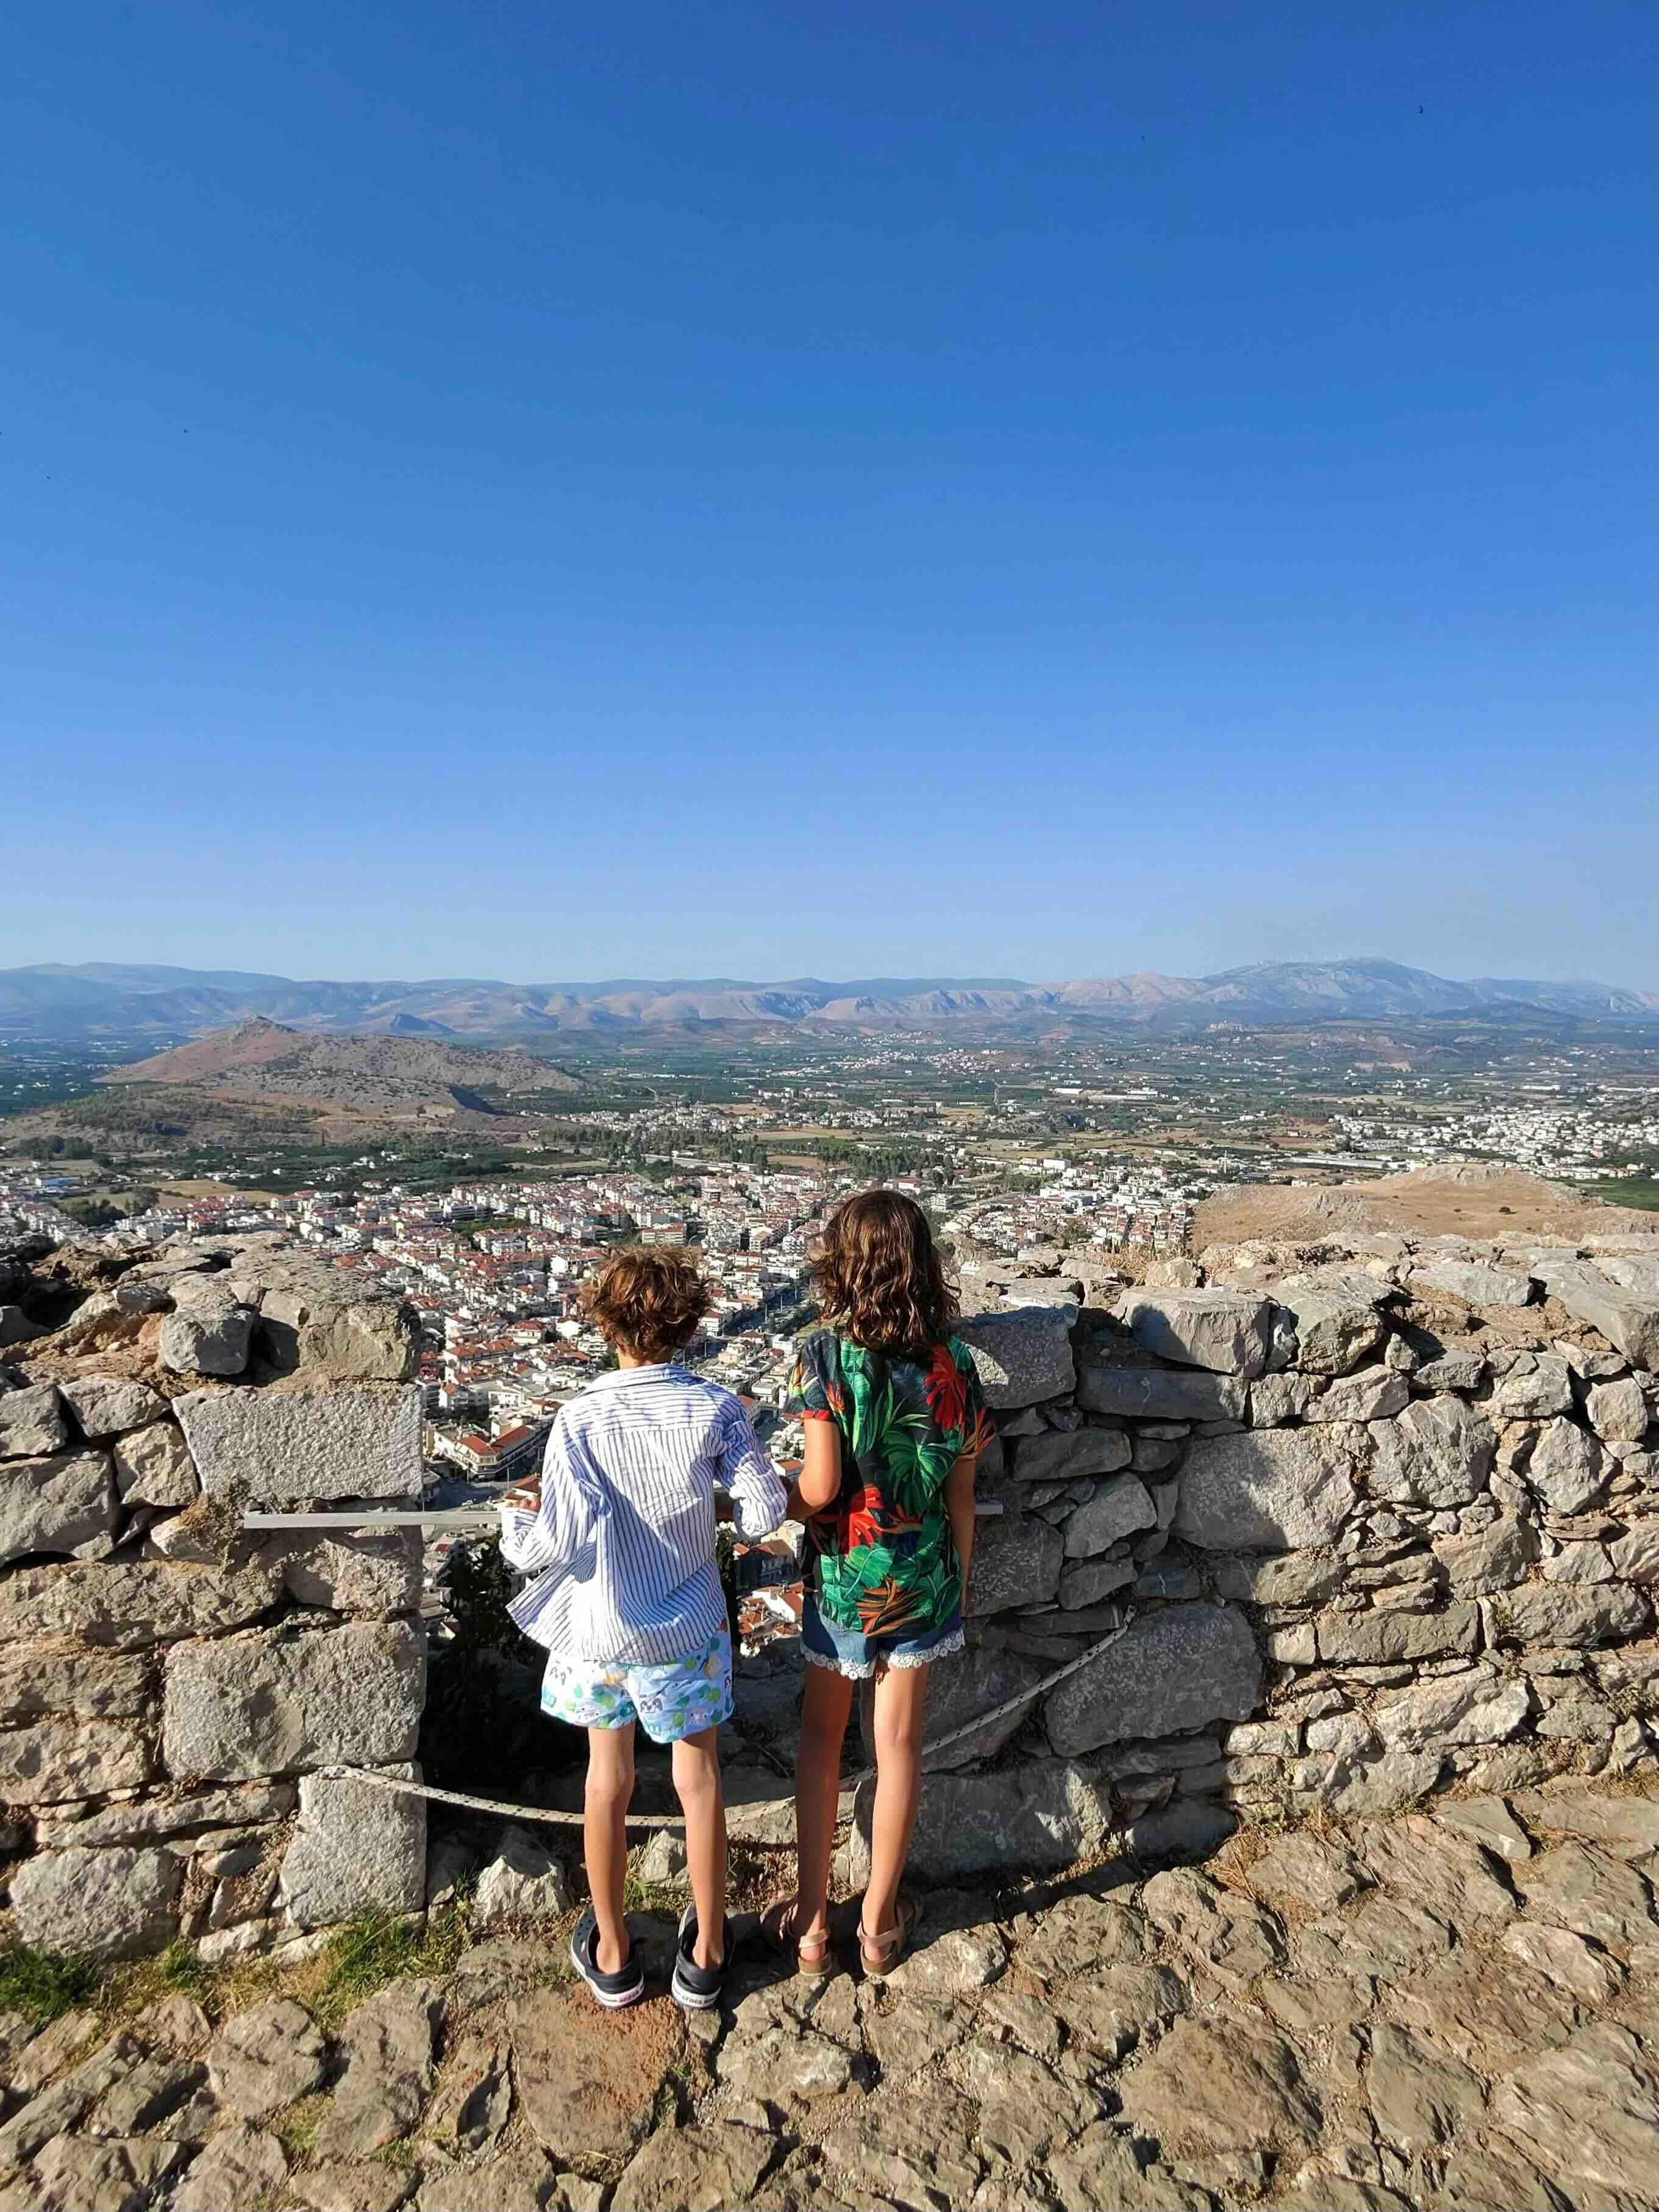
column 813, row 1959
column 881, row 1954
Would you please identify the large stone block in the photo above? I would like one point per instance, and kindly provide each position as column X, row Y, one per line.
column 1387, row 1635
column 1291, row 1578
column 1016, row 1561
column 1626, row 1317
column 153, row 1466
column 1476, row 1281
column 1273, row 1490
column 1041, row 1816
column 32, row 1422
column 131, row 1604
column 1022, row 1355
column 355, row 1440
column 1534, row 1388
column 1494, row 1559
column 356, row 1849
column 113, row 1904
column 1117, row 1509
column 1617, row 1410
column 1339, row 1327
column 373, row 1574
column 1171, row 1670
column 42, row 1675
column 1566, row 1468
column 1227, row 1331
column 211, row 1333
column 270, row 1703
column 1550, row 1615
column 64, row 1504
column 109, row 1405
column 1159, row 1394
column 53, row 1761
column 962, row 1688
column 1071, row 1455
column 1438, row 1453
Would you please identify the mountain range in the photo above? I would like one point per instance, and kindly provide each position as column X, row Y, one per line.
column 113, row 1000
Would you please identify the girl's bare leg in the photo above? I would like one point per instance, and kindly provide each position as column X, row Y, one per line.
column 900, row 1701
column 604, row 1838
column 697, row 1781
column 826, row 1703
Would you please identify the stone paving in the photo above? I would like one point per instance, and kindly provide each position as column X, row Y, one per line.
column 1450, row 2009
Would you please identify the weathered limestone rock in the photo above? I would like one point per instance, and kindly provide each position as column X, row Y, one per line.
column 210, row 1332
column 151, row 1819
column 475, row 2097
column 315, row 1324
column 355, row 1440
column 153, row 1466
column 699, row 2170
column 109, row 1405
column 73, row 2174
column 1385, row 1635
column 265, row 2058
column 1419, row 2096
column 267, row 1703
column 1226, row 1331
column 1577, row 1886
column 1627, row 1827
column 131, row 1604
column 1068, row 1455
column 966, row 1684
column 1616, row 1411
column 1017, row 1562
column 589, row 2099
column 1159, row 1394
column 54, row 1760
column 1476, row 1281
column 1586, row 2115
column 1022, row 1355
column 1566, row 1468
column 32, row 1423
column 1422, row 1860
column 1116, row 1510
column 522, row 1881
column 1370, row 1394
column 47, row 1676
column 1221, row 2085
column 364, row 1572
column 1302, row 1873
column 1439, row 1453
column 1494, row 1559
column 1628, row 1318
column 1551, row 1615
column 524, row 2179
column 1478, row 1707
column 1278, row 1398
column 240, row 2166
column 912, row 2151
column 1276, row 1490
column 1452, row 1370
column 1172, row 1670
column 389, row 2046
column 1289, row 1579
column 66, row 1504
column 1337, row 1325
column 356, row 1849
column 1536, row 1386
column 113, row 1904
column 1086, row 1582
column 1041, row 1815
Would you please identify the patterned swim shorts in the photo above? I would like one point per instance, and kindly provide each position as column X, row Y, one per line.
column 679, row 1700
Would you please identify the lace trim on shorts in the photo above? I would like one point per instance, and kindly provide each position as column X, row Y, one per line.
column 860, row 1670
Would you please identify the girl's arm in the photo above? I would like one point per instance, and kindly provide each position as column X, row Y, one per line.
column 959, row 1505
column 819, row 1483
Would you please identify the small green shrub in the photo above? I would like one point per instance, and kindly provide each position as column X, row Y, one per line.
column 41, row 1985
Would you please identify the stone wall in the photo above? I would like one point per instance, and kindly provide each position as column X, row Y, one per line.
column 1375, row 1519
column 169, row 1685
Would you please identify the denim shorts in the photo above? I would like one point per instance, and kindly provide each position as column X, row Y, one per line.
column 678, row 1699
column 850, row 1651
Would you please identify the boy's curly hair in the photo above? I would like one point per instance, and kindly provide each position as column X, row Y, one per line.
column 647, row 1300
column 880, row 1280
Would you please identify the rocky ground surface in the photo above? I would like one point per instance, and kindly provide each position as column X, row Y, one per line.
column 1448, row 2009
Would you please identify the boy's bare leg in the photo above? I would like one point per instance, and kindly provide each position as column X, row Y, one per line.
column 826, row 1703
column 697, row 1781
column 605, row 1839
column 900, row 1699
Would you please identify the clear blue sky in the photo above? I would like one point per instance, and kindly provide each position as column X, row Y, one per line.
column 551, row 492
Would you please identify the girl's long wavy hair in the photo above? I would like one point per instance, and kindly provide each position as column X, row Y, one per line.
column 879, row 1277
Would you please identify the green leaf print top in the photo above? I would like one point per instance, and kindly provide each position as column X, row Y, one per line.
column 883, row 1558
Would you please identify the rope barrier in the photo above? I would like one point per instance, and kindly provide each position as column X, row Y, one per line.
column 552, row 1816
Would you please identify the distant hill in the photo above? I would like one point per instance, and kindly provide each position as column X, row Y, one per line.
column 104, row 1000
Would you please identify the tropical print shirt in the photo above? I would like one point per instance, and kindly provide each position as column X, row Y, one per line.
column 883, row 1558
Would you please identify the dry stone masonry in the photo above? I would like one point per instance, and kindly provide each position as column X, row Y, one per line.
column 170, row 1685
column 1366, row 1524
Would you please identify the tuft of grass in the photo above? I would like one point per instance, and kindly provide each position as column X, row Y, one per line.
column 371, row 1949
column 180, row 1969
column 42, row 1984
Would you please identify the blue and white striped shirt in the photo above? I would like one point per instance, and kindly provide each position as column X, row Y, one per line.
column 622, row 1546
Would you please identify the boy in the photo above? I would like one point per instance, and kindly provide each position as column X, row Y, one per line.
column 619, row 1535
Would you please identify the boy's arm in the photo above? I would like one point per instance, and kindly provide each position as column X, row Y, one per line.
column 561, row 1528
column 758, row 1493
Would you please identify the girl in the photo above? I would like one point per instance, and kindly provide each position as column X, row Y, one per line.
column 893, row 1419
